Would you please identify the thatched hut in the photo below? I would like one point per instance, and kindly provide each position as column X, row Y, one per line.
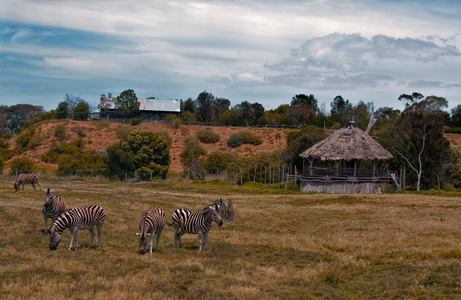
column 345, row 162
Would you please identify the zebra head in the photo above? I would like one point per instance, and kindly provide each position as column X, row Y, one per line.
column 142, row 242
column 48, row 196
column 16, row 186
column 215, row 216
column 55, row 238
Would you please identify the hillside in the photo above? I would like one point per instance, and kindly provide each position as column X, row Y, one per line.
column 99, row 135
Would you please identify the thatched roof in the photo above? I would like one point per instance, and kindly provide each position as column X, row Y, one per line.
column 347, row 143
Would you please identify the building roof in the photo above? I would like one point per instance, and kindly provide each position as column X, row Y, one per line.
column 159, row 105
column 164, row 105
column 348, row 143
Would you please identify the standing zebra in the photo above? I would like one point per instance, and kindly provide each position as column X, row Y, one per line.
column 152, row 222
column 53, row 207
column 74, row 219
column 186, row 221
column 25, row 179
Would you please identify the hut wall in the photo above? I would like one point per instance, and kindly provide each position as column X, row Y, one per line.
column 342, row 187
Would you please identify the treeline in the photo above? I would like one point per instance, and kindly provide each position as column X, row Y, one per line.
column 415, row 136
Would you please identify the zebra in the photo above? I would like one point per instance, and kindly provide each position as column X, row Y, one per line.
column 53, row 207
column 152, row 222
column 186, row 221
column 23, row 179
column 74, row 219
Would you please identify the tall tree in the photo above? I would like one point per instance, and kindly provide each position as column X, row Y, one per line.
column 17, row 115
column 204, row 104
column 127, row 103
column 81, row 111
column 62, row 111
column 419, row 141
column 407, row 100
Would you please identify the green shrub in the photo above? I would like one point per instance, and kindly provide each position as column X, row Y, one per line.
column 21, row 165
column 23, row 139
column 208, row 136
column 135, row 121
column 68, row 164
column 250, row 138
column 123, row 131
column 143, row 173
column 79, row 131
column 217, row 161
column 235, row 140
column 60, row 132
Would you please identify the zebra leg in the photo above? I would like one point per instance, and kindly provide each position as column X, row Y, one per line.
column 99, row 234
column 92, row 236
column 180, row 234
column 159, row 233
column 175, row 236
column 72, row 238
column 200, row 240
column 205, row 235
column 151, row 240
column 46, row 223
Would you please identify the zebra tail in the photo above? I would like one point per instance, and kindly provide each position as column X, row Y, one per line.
column 171, row 225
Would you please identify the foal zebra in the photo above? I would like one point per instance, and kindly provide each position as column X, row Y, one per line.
column 152, row 222
column 186, row 221
column 25, row 179
column 53, row 207
column 74, row 219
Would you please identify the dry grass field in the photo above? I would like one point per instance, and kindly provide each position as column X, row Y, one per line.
column 282, row 246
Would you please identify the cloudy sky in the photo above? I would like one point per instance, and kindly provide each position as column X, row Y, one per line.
column 263, row 51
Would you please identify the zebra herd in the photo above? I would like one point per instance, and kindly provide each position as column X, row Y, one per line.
column 152, row 222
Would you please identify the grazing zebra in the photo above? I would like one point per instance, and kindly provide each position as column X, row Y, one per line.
column 74, row 219
column 152, row 222
column 53, row 207
column 25, row 179
column 186, row 221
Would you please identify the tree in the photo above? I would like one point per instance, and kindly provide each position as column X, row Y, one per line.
column 204, row 104
column 455, row 118
column 81, row 111
column 418, row 140
column 407, row 100
column 127, row 103
column 220, row 106
column 17, row 115
column 62, row 111
column 189, row 105
column 149, row 150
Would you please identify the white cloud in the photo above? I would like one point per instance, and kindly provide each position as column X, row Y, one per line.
column 249, row 50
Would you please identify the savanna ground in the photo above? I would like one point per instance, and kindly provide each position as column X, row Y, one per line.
column 281, row 246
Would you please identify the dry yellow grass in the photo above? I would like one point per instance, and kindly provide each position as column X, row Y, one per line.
column 298, row 246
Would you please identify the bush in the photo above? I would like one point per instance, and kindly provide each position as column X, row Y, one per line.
column 243, row 137
column 218, row 161
column 135, row 121
column 68, row 164
column 235, row 140
column 60, row 132
column 21, row 165
column 208, row 136
column 23, row 139
column 250, row 138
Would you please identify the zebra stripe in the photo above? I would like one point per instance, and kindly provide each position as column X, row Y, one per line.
column 186, row 221
column 53, row 207
column 23, row 179
column 152, row 222
column 77, row 218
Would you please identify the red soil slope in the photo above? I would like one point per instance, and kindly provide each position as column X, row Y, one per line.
column 100, row 135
